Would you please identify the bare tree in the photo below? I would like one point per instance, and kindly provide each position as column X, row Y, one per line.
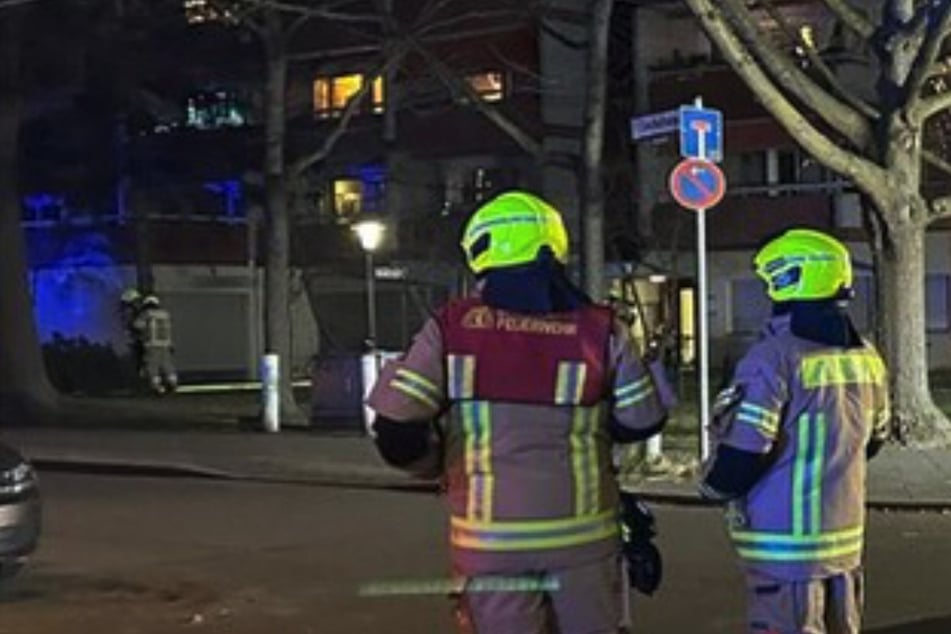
column 592, row 199
column 879, row 144
column 24, row 386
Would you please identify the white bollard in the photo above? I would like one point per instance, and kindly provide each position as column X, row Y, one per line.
column 271, row 392
column 370, row 365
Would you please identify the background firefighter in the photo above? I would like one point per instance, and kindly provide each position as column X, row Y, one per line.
column 807, row 404
column 514, row 396
column 153, row 328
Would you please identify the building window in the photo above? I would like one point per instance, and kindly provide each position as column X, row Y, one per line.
column 750, row 168
column 209, row 110
column 201, row 11
column 348, row 199
column 489, row 85
column 331, row 94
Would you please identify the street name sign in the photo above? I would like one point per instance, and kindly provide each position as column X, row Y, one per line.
column 655, row 124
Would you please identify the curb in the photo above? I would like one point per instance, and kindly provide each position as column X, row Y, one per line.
column 93, row 466
column 387, row 482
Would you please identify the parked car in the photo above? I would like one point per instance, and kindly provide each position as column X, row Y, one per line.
column 19, row 510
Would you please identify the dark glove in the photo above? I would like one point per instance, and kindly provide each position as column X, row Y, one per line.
column 638, row 527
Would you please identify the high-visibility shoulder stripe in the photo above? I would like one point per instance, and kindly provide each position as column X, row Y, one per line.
column 461, row 379
column 569, row 387
column 823, row 370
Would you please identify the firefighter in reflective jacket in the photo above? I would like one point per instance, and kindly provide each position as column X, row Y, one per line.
column 154, row 327
column 514, row 396
column 807, row 406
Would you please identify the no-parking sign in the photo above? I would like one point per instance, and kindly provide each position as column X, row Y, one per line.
column 697, row 184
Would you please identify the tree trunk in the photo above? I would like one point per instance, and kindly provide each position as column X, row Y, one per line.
column 277, row 333
column 916, row 419
column 592, row 207
column 24, row 386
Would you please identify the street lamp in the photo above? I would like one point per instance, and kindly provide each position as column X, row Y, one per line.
column 370, row 233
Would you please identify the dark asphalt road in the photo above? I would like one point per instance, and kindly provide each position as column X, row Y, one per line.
column 125, row 555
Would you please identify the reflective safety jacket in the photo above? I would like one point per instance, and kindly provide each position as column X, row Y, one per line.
column 526, row 400
column 154, row 326
column 812, row 408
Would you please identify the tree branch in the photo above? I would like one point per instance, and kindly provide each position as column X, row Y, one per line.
column 936, row 161
column 923, row 66
column 844, row 119
column 9, row 4
column 326, row 14
column 851, row 17
column 450, row 22
column 867, row 175
column 353, row 104
column 866, row 109
column 459, row 86
column 930, row 106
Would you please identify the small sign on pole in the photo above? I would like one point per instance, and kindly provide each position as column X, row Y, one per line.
column 655, row 124
column 697, row 184
column 701, row 133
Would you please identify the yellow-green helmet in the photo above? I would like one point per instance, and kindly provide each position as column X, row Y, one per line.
column 510, row 230
column 804, row 264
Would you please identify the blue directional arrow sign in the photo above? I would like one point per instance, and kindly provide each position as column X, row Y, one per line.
column 701, row 133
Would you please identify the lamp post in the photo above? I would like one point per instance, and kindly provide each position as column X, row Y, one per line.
column 370, row 233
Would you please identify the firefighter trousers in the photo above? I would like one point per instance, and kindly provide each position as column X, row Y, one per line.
column 832, row 605
column 587, row 601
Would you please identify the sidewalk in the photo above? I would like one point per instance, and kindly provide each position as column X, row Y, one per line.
column 898, row 478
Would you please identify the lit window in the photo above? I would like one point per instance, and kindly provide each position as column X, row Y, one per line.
column 200, row 11
column 331, row 94
column 215, row 109
column 348, row 199
column 489, row 85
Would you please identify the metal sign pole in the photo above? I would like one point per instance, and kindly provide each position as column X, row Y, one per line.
column 704, row 368
column 703, row 339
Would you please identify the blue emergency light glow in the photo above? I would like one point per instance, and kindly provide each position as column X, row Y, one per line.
column 71, row 294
